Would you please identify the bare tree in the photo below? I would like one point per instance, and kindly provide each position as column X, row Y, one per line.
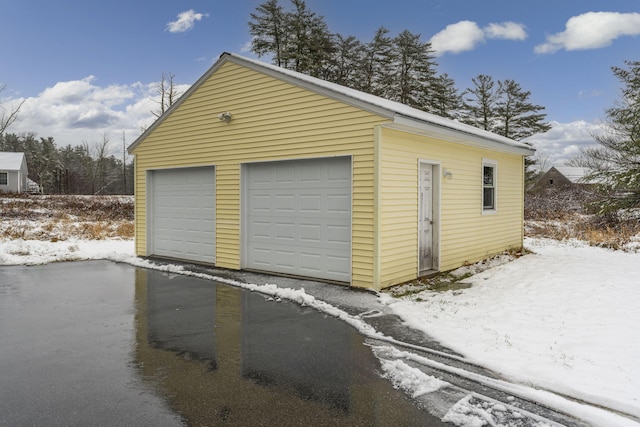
column 8, row 116
column 543, row 161
column 124, row 163
column 167, row 92
column 101, row 151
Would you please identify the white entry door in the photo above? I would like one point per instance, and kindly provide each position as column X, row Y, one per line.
column 425, row 218
column 298, row 217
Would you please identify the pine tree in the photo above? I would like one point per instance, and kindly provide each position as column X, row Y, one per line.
column 479, row 103
column 615, row 163
column 376, row 74
column 269, row 30
column 414, row 70
column 298, row 40
column 504, row 109
column 310, row 43
column 516, row 117
column 347, row 57
column 445, row 101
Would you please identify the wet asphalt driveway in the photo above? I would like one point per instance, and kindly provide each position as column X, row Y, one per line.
column 99, row 343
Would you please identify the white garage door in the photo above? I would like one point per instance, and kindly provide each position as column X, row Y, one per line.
column 182, row 214
column 298, row 217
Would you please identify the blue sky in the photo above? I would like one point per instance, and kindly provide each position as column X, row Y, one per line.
column 87, row 69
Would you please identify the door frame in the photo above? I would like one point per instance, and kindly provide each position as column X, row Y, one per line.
column 244, row 210
column 149, row 202
column 436, row 206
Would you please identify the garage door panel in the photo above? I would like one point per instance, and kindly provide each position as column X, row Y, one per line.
column 337, row 264
column 338, row 203
column 310, row 232
column 339, row 235
column 285, row 231
column 283, row 203
column 182, row 213
column 285, row 174
column 300, row 213
column 284, row 259
column 310, row 203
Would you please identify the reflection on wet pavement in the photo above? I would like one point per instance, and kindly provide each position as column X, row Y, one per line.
column 226, row 356
column 100, row 343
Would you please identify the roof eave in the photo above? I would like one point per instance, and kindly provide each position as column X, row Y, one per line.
column 473, row 137
column 437, row 125
column 306, row 82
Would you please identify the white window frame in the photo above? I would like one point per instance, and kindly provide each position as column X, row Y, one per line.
column 492, row 164
column 6, row 178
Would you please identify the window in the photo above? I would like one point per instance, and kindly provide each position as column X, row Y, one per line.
column 4, row 178
column 489, row 185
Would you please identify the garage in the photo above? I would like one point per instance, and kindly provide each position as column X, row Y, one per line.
column 182, row 214
column 317, row 180
column 298, row 217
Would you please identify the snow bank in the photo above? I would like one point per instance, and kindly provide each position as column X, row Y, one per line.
column 33, row 252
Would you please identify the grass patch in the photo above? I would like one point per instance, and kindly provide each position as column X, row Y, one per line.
column 58, row 218
column 451, row 280
column 566, row 214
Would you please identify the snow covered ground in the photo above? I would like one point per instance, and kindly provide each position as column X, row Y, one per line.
column 565, row 319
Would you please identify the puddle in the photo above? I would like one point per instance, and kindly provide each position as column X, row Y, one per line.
column 99, row 343
column 225, row 356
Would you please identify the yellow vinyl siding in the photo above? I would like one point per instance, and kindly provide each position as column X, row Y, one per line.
column 271, row 120
column 466, row 235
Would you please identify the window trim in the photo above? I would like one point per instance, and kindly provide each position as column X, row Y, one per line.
column 6, row 178
column 492, row 164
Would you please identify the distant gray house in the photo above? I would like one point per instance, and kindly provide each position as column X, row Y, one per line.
column 13, row 172
column 559, row 177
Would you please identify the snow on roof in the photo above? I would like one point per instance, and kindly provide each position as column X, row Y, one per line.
column 573, row 174
column 393, row 107
column 11, row 161
column 401, row 115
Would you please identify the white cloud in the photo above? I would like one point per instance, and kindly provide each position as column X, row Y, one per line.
column 466, row 35
column 564, row 140
column 246, row 48
column 592, row 30
column 506, row 31
column 80, row 111
column 458, row 37
column 186, row 20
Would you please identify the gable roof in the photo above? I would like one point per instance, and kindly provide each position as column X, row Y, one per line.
column 574, row 174
column 11, row 161
column 400, row 116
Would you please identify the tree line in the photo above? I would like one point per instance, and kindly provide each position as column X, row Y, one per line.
column 400, row 68
column 614, row 164
column 79, row 169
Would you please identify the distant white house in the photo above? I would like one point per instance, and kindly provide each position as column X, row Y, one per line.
column 13, row 172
